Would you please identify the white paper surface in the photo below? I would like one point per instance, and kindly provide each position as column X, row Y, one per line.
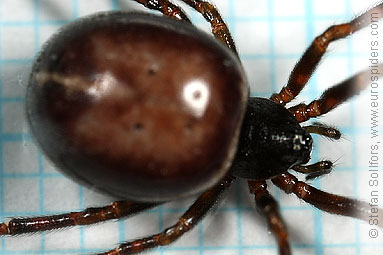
column 270, row 36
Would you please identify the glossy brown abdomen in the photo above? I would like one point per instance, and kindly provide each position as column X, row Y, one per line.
column 139, row 106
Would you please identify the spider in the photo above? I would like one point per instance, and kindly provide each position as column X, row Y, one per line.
column 274, row 170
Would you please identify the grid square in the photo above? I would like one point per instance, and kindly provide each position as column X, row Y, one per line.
column 181, row 252
column 53, row 187
column 48, row 167
column 20, row 158
column 148, row 223
column 358, row 6
column 258, row 74
column 343, row 188
column 221, row 252
column 68, row 239
column 304, row 227
column 295, row 8
column 254, row 230
column 52, row 10
column 92, row 197
column 333, row 71
column 14, row 79
column 340, row 152
column 12, row 46
column 14, row 118
column 338, row 236
column 364, row 114
column 21, row 193
column 252, row 251
column 329, row 7
column 25, row 10
column 282, row 70
column 102, row 236
column 257, row 39
column 30, row 243
column 282, row 30
column 363, row 150
column 251, row 8
column 216, row 228
column 340, row 250
column 304, row 251
column 84, row 8
column 371, row 250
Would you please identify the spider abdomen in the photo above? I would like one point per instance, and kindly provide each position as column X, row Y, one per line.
column 139, row 106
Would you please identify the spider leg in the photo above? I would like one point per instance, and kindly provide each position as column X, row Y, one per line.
column 333, row 96
column 321, row 129
column 325, row 201
column 315, row 170
column 165, row 7
column 209, row 12
column 116, row 210
column 187, row 221
column 267, row 204
column 312, row 56
column 218, row 26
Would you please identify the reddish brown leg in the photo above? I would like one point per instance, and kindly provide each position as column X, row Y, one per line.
column 218, row 26
column 311, row 58
column 165, row 7
column 209, row 12
column 267, row 204
column 325, row 201
column 187, row 221
column 333, row 96
column 89, row 216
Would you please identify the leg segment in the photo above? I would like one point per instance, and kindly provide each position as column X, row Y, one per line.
column 315, row 170
column 186, row 222
column 325, row 201
column 218, row 26
column 209, row 12
column 324, row 130
column 311, row 58
column 165, row 7
column 267, row 204
column 89, row 216
column 333, row 96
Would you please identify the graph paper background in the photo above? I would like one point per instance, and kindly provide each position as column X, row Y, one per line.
column 270, row 36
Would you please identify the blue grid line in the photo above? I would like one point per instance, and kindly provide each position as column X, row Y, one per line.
column 2, row 196
column 352, row 131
